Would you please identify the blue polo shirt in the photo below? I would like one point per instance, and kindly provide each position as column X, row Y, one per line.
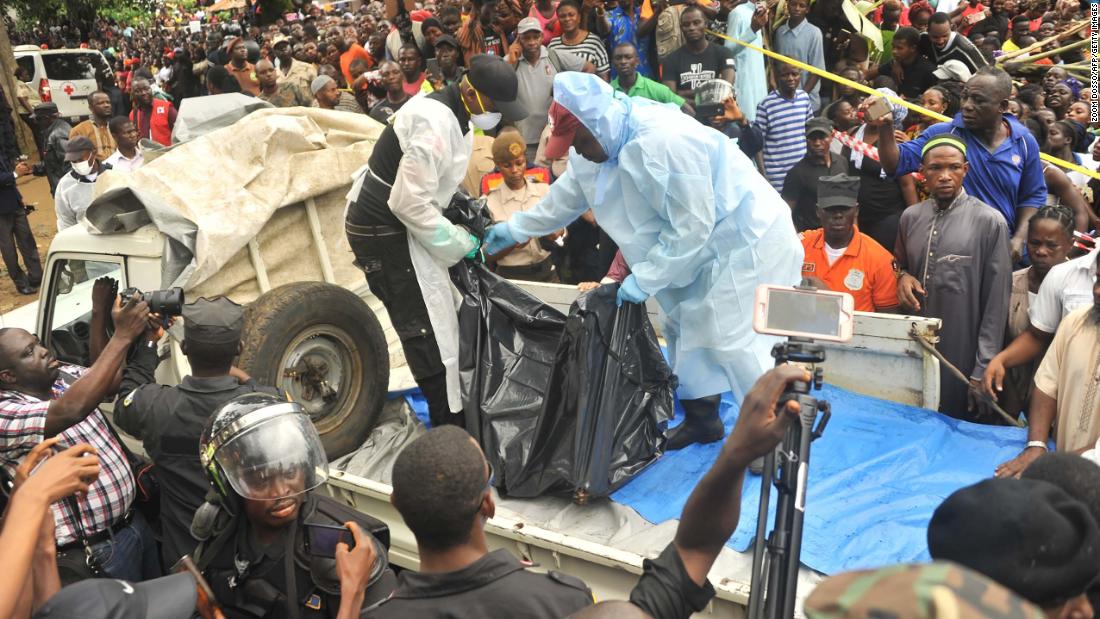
column 1006, row 179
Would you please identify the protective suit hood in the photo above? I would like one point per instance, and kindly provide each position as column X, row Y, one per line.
column 604, row 112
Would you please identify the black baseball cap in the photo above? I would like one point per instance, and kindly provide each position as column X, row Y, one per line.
column 169, row 597
column 839, row 190
column 447, row 39
column 819, row 125
column 496, row 79
column 76, row 148
column 213, row 321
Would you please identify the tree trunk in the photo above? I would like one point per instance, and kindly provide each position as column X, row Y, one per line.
column 23, row 133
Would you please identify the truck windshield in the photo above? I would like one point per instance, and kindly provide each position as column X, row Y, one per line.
column 82, row 66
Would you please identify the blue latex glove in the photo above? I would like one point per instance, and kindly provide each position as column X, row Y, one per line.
column 630, row 292
column 498, row 239
column 476, row 251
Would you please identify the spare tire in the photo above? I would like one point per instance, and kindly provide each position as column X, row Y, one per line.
column 323, row 346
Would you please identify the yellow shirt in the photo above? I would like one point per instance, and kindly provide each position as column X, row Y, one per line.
column 503, row 202
column 1070, row 373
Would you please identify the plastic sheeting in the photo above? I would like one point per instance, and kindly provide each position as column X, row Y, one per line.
column 211, row 195
column 607, row 404
column 509, row 338
column 573, row 407
column 876, row 476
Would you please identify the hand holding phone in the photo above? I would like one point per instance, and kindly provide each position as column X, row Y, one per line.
column 800, row 312
column 321, row 539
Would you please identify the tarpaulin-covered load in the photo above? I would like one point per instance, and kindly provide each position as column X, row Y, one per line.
column 608, row 401
column 571, row 406
column 212, row 195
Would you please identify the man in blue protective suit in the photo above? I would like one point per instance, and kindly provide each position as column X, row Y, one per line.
column 699, row 227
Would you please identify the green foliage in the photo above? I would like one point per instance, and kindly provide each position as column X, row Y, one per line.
column 85, row 12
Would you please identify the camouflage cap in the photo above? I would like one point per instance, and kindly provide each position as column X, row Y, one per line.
column 916, row 591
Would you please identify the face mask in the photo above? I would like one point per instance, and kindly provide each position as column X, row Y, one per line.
column 82, row 168
column 486, row 121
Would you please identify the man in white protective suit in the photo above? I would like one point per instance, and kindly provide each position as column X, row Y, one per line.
column 698, row 226
column 395, row 222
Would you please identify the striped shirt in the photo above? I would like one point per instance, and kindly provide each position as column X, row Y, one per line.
column 591, row 49
column 23, row 425
column 781, row 124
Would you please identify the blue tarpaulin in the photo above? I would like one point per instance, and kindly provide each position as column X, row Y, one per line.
column 876, row 476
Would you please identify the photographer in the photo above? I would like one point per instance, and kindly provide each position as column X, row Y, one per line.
column 40, row 397
column 169, row 419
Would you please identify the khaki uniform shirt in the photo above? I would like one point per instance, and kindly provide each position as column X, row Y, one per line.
column 503, row 203
column 1070, row 373
column 287, row 94
column 301, row 73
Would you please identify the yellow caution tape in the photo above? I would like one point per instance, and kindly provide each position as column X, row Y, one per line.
column 871, row 91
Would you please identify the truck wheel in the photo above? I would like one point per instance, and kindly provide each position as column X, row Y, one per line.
column 325, row 347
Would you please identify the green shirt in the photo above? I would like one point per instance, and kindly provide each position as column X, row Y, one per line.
column 649, row 89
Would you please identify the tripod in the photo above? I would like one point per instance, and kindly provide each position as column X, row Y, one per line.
column 775, row 563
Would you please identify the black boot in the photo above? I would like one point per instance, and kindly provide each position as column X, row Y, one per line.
column 434, row 389
column 701, row 424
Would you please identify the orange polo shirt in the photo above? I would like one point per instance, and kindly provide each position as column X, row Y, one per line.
column 866, row 270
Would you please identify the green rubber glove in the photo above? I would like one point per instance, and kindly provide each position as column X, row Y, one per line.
column 475, row 253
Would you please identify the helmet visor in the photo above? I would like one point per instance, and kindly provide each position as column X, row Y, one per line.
column 277, row 457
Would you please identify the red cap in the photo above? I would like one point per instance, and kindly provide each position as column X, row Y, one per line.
column 565, row 126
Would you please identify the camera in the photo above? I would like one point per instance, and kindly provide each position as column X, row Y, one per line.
column 164, row 302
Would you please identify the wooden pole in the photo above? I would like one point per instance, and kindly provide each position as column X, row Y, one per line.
column 1040, row 44
column 23, row 134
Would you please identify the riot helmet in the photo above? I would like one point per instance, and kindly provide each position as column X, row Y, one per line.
column 262, row 447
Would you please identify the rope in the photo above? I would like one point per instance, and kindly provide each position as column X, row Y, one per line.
column 959, row 375
column 899, row 101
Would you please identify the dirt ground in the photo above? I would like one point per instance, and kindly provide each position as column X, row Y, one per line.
column 36, row 192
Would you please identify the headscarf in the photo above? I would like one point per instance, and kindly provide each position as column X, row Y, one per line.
column 1074, row 86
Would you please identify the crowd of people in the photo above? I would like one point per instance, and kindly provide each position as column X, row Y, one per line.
column 637, row 143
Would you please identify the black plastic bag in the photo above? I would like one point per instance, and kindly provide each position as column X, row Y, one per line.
column 609, row 399
column 508, row 341
column 575, row 406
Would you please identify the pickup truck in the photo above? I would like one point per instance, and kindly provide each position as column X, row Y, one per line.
column 317, row 332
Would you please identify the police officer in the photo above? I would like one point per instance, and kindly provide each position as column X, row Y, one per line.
column 442, row 487
column 267, row 544
column 170, row 420
column 396, row 227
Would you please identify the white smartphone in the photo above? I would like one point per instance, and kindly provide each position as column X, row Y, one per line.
column 795, row 312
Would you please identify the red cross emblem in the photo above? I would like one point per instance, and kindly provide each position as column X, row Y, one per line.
column 68, row 88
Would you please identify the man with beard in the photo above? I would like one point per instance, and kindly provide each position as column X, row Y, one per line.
column 95, row 128
column 952, row 250
column 1067, row 384
column 154, row 118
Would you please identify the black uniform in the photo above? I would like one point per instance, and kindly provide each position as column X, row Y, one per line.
column 53, row 165
column 381, row 246
column 169, row 422
column 249, row 580
column 15, row 232
column 667, row 591
column 496, row 585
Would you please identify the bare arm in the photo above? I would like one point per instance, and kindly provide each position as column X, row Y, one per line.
column 97, row 383
column 103, row 296
column 1058, row 184
column 1019, row 238
column 1040, row 418
column 1027, row 346
column 908, row 186
column 714, row 507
